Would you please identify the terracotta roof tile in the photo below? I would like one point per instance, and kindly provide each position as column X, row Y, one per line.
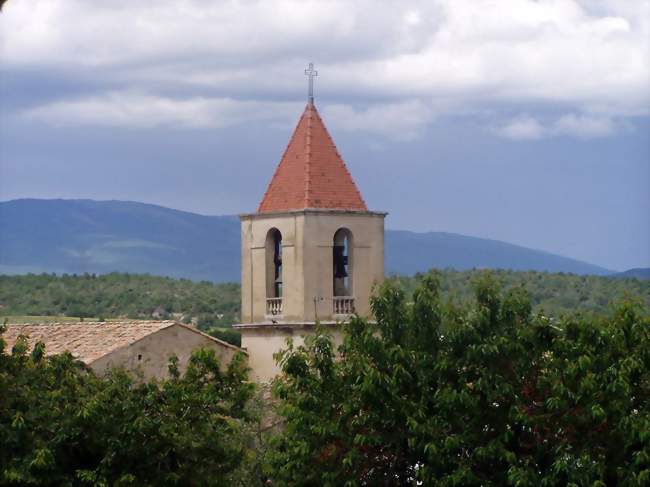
column 312, row 173
column 86, row 341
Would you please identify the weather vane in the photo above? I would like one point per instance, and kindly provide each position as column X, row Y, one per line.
column 311, row 73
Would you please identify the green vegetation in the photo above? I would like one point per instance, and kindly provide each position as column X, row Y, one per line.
column 61, row 425
column 120, row 296
column 554, row 294
column 479, row 392
column 214, row 308
column 136, row 296
column 17, row 319
column 484, row 394
column 226, row 334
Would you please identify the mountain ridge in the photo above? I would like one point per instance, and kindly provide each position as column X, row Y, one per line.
column 84, row 235
column 638, row 272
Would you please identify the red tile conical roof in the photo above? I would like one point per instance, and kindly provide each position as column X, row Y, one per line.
column 311, row 173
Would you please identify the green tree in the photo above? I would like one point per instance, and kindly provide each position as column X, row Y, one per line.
column 480, row 394
column 62, row 425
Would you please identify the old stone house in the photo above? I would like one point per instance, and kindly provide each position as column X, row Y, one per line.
column 143, row 347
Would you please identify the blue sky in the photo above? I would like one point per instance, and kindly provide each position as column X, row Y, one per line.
column 523, row 121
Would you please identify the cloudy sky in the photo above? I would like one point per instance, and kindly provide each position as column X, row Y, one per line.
column 519, row 120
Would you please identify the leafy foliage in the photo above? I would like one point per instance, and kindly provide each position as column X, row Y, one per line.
column 444, row 388
column 217, row 305
column 481, row 394
column 226, row 334
column 62, row 425
column 553, row 294
column 120, row 295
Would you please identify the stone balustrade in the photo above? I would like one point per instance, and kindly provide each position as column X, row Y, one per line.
column 343, row 305
column 273, row 306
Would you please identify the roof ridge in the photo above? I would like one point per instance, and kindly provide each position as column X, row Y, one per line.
column 215, row 339
column 84, row 323
column 310, row 115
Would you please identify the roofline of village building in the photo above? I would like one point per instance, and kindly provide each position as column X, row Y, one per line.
column 164, row 325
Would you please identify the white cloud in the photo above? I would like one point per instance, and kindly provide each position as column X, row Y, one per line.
column 583, row 126
column 208, row 31
column 580, row 55
column 146, row 111
column 525, row 127
column 398, row 121
column 521, row 128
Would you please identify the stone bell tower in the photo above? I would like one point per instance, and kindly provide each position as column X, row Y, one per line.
column 312, row 251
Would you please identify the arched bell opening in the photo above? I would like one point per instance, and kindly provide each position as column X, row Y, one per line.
column 274, row 282
column 343, row 260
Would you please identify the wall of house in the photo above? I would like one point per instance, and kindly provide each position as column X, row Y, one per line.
column 149, row 357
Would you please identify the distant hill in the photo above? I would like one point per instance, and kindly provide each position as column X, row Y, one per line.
column 77, row 236
column 639, row 273
column 409, row 252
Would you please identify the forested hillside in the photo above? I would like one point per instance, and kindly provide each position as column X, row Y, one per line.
column 79, row 236
column 119, row 296
column 208, row 304
column 553, row 293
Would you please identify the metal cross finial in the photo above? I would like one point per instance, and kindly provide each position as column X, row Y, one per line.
column 311, row 73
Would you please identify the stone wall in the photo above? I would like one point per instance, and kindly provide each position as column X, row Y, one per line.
column 149, row 356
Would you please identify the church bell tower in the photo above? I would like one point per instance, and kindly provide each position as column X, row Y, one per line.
column 312, row 251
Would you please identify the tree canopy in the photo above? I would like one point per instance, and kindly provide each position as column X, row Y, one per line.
column 62, row 425
column 483, row 394
column 116, row 295
column 554, row 294
column 433, row 391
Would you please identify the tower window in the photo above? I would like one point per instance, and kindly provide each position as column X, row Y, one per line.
column 274, row 264
column 342, row 262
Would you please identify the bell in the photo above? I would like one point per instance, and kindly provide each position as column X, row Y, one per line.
column 340, row 261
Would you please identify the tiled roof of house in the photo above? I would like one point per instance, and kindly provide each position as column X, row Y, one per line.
column 89, row 341
column 311, row 173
